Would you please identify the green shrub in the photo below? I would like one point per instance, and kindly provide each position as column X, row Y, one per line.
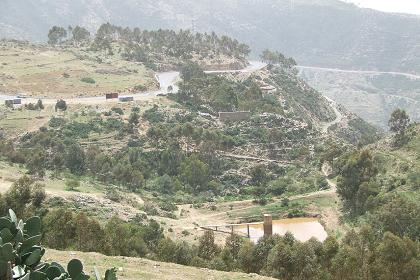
column 88, row 80
column 140, row 88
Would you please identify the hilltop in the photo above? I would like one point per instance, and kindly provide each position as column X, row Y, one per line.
column 326, row 33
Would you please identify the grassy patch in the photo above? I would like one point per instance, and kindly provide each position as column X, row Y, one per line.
column 54, row 72
column 136, row 268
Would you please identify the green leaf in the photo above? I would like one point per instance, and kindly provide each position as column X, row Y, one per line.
column 3, row 269
column 110, row 274
column 32, row 226
column 6, row 235
column 28, row 243
column 18, row 271
column 59, row 266
column 13, row 217
column 75, row 268
column 7, row 253
column 81, row 276
column 36, row 275
column 33, row 258
column 53, row 272
column 5, row 223
column 19, row 236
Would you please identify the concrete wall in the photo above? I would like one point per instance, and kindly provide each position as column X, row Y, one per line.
column 234, row 116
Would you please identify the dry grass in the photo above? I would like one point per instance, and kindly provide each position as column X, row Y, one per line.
column 49, row 72
column 136, row 268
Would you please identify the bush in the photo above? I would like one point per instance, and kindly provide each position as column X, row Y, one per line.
column 117, row 110
column 140, row 88
column 88, row 80
column 72, row 185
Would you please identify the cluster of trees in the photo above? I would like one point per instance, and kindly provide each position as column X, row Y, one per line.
column 142, row 45
column 368, row 253
column 358, row 182
column 216, row 93
column 275, row 57
column 75, row 35
column 37, row 106
column 66, row 230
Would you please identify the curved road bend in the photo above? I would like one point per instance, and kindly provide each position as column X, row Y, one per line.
column 165, row 80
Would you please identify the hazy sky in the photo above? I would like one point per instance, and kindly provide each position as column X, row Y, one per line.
column 401, row 6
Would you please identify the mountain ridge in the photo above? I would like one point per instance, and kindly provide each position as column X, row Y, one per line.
column 325, row 33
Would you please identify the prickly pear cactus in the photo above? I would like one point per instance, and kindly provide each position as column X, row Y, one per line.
column 20, row 254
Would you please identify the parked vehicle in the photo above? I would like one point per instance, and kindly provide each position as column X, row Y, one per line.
column 113, row 95
column 126, row 99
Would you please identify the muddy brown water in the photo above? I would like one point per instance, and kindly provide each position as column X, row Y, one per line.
column 302, row 229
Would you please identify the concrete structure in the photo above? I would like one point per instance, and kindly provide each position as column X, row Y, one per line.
column 234, row 116
column 268, row 225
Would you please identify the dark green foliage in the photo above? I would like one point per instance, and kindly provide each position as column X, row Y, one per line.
column 356, row 184
column 88, row 80
column 37, row 106
column 80, row 35
column 117, row 110
column 277, row 58
column 191, row 71
column 21, row 254
column 207, row 249
column 398, row 123
column 56, row 35
column 61, row 105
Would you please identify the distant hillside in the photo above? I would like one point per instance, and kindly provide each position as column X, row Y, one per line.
column 372, row 96
column 326, row 33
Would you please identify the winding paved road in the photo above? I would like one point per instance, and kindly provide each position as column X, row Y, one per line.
column 338, row 119
column 407, row 75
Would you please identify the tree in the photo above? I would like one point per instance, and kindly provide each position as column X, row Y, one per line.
column 89, row 235
column 195, row 173
column 56, row 34
column 397, row 258
column 80, row 35
column 207, row 248
column 39, row 105
column 23, row 194
column 398, row 123
column 356, row 181
column 75, row 159
column 233, row 244
column 191, row 70
column 61, row 105
column 245, row 257
column 59, row 230
column 134, row 119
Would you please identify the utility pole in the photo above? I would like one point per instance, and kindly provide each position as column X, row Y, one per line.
column 193, row 25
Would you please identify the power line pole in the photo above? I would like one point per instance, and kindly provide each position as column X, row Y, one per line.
column 193, row 25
